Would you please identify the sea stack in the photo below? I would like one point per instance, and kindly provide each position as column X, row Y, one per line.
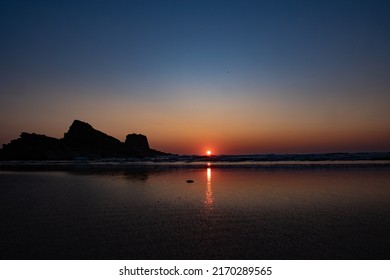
column 137, row 142
column 83, row 138
column 81, row 141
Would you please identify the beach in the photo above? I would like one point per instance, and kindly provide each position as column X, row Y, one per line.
column 227, row 212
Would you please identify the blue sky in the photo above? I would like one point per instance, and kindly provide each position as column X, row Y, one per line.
column 263, row 62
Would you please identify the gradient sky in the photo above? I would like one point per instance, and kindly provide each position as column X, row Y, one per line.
column 235, row 77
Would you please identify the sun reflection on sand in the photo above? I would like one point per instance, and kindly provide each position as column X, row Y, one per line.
column 209, row 199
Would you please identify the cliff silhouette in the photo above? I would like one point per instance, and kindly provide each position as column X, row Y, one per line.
column 81, row 141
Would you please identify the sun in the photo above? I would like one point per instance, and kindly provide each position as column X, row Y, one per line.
column 208, row 152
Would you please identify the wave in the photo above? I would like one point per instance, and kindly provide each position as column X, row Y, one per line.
column 228, row 161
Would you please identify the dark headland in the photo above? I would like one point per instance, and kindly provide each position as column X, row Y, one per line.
column 81, row 141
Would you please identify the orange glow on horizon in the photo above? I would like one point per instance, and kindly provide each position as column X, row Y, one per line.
column 208, row 152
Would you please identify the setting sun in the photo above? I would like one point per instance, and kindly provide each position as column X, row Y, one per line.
column 208, row 152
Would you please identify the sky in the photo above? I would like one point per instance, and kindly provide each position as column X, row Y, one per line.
column 233, row 77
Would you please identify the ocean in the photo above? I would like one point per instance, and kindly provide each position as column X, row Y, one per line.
column 196, row 208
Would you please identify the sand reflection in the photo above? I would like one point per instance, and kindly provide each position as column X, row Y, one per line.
column 209, row 199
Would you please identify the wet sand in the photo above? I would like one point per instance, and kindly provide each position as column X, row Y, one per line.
column 226, row 213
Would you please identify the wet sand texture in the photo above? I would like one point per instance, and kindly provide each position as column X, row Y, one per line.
column 298, row 213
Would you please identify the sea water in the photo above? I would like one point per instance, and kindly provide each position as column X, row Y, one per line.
column 228, row 211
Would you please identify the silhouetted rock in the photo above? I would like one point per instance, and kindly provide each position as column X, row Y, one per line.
column 137, row 142
column 82, row 133
column 35, row 147
column 85, row 140
column 81, row 140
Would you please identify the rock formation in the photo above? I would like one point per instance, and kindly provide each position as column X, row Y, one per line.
column 138, row 142
column 34, row 147
column 81, row 141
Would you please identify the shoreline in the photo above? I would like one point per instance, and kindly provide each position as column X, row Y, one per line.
column 149, row 165
column 150, row 212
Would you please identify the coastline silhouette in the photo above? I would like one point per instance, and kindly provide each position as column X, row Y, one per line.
column 81, row 141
